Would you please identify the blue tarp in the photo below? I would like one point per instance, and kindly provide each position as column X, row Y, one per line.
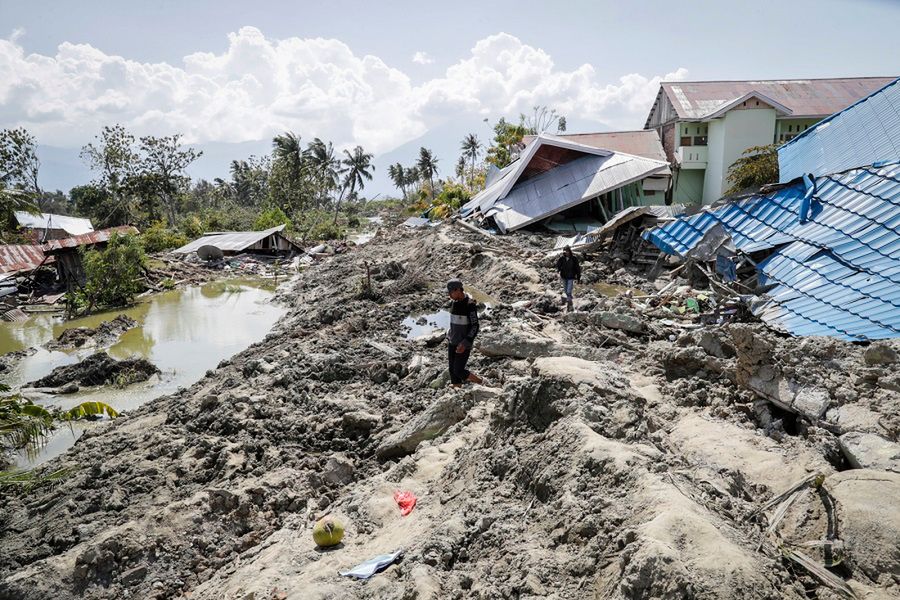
column 838, row 273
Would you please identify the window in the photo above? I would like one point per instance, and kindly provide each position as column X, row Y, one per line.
column 700, row 140
column 686, row 140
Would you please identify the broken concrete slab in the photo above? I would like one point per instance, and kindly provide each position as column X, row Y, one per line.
column 432, row 422
column 869, row 520
column 880, row 353
column 515, row 343
column 870, row 451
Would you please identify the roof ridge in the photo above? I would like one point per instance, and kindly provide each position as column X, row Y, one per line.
column 793, row 80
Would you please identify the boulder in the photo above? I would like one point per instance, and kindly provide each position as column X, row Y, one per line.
column 338, row 470
column 432, row 422
column 870, row 451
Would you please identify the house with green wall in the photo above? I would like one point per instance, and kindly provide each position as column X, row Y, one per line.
column 705, row 126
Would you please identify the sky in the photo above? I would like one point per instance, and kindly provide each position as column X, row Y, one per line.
column 383, row 74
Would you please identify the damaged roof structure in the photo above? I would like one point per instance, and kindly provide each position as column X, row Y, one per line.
column 828, row 238
column 49, row 226
column 232, row 242
column 554, row 174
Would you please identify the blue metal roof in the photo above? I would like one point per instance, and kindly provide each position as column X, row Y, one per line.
column 838, row 273
column 864, row 133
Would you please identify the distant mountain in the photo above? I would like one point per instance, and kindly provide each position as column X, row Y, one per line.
column 63, row 169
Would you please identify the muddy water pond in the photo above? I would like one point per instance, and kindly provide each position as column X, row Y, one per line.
column 418, row 325
column 184, row 332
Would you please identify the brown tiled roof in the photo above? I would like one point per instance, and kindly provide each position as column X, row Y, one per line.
column 804, row 97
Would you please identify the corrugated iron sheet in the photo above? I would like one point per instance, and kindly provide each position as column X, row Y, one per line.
column 804, row 97
column 863, row 134
column 71, row 225
column 838, row 274
column 644, row 142
column 14, row 259
column 568, row 185
column 88, row 239
column 229, row 242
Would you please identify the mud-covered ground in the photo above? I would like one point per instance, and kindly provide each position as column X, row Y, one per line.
column 610, row 453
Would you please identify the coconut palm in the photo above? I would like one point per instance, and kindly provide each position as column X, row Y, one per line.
column 325, row 166
column 471, row 148
column 359, row 168
column 399, row 176
column 427, row 165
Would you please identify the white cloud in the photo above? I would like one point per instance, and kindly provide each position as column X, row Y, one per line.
column 422, row 58
column 316, row 87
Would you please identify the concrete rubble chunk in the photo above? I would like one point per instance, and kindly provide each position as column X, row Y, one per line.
column 429, row 424
column 622, row 321
column 517, row 344
column 880, row 354
column 870, row 451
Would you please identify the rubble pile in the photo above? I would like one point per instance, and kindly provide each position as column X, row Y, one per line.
column 616, row 451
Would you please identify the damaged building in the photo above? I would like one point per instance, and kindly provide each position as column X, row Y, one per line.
column 569, row 183
column 40, row 227
column 822, row 247
column 271, row 241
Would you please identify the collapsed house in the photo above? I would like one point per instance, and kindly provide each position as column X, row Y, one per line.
column 824, row 244
column 68, row 258
column 558, row 176
column 268, row 242
column 41, row 227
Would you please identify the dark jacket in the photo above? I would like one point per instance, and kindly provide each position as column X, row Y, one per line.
column 463, row 322
column 568, row 267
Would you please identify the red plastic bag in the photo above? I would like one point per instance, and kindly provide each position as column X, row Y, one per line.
column 406, row 501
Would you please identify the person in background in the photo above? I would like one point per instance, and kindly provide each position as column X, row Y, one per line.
column 570, row 271
column 461, row 334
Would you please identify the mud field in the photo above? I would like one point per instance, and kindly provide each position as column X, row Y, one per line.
column 610, row 453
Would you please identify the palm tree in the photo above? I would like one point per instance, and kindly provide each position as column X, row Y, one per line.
column 288, row 151
column 399, row 176
column 411, row 177
column 471, row 148
column 326, row 167
column 359, row 168
column 427, row 166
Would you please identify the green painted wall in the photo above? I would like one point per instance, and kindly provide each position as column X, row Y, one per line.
column 689, row 187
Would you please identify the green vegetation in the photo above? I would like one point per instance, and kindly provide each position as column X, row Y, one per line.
column 112, row 275
column 158, row 237
column 756, row 167
column 272, row 217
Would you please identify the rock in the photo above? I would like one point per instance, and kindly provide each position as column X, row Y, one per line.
column 811, row 402
column 870, row 451
column 338, row 470
column 359, row 420
column 418, row 361
column 880, row 354
column 622, row 321
column 435, row 420
column 265, row 366
column 713, row 345
column 514, row 343
column 429, row 340
column 222, row 500
column 132, row 576
column 869, row 519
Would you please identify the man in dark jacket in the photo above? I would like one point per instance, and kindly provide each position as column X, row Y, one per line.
column 461, row 334
column 569, row 270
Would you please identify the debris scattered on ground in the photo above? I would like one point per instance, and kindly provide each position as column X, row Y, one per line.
column 367, row 569
column 406, row 501
column 103, row 335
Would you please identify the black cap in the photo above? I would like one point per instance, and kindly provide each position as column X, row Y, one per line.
column 454, row 284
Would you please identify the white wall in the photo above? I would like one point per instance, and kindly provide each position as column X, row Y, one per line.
column 729, row 136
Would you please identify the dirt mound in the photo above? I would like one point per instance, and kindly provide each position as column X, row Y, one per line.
column 608, row 455
column 103, row 335
column 98, row 369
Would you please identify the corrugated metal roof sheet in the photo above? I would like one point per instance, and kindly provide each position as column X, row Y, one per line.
column 838, row 274
column 71, row 225
column 644, row 142
column 15, row 258
column 804, row 97
column 863, row 134
column 87, row 239
column 228, row 242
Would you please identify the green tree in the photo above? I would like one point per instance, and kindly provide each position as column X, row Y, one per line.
column 250, row 180
column 272, row 217
column 158, row 237
column 19, row 164
column 397, row 173
column 114, row 160
column 471, row 148
column 289, row 172
column 756, row 167
column 97, row 203
column 326, row 169
column 358, row 170
column 161, row 173
column 427, row 167
column 507, row 138
column 113, row 274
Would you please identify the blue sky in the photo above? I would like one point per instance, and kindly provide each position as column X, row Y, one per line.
column 229, row 72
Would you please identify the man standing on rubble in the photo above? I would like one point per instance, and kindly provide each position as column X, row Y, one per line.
column 570, row 271
column 461, row 334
